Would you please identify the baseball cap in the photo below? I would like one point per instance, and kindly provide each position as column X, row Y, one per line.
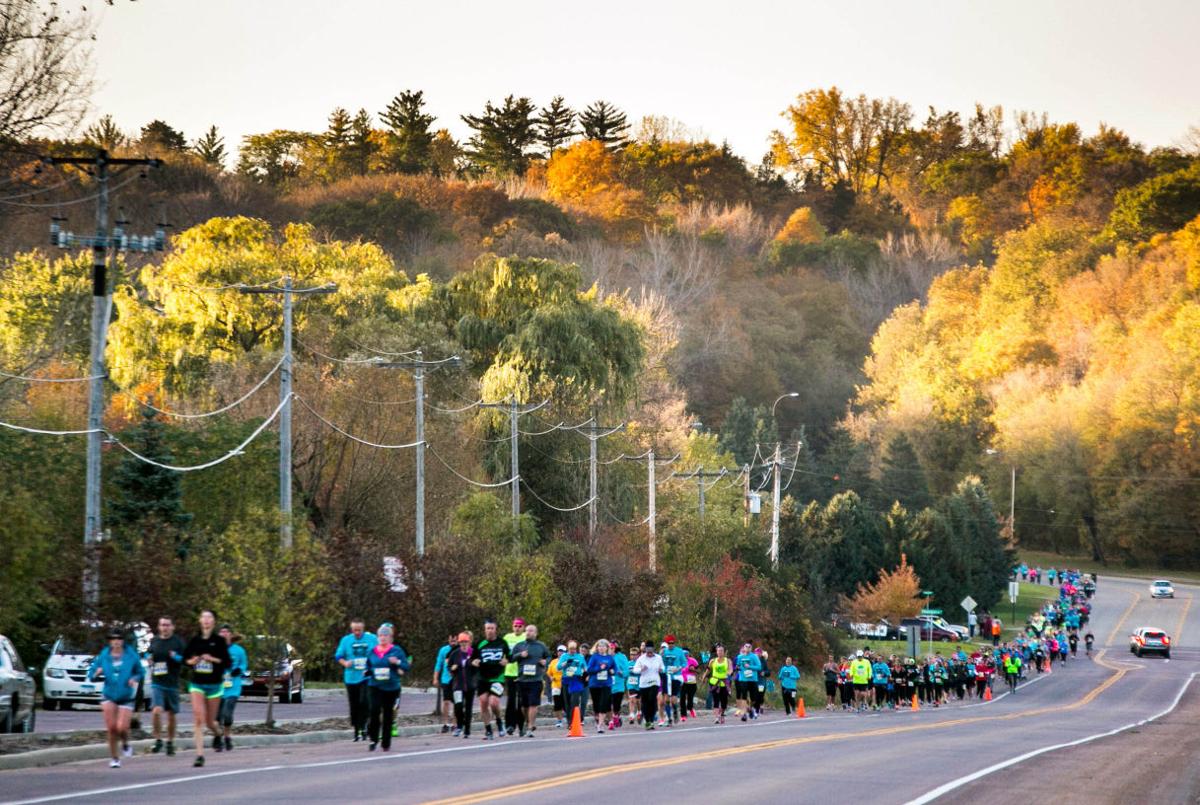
column 463, row 637
column 518, row 621
column 561, row 647
column 858, row 653
column 669, row 638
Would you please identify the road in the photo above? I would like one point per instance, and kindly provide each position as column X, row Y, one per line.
column 319, row 704
column 887, row 757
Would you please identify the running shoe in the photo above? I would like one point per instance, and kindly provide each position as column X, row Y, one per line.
column 395, row 730
column 170, row 749
column 371, row 748
column 114, row 764
column 228, row 744
column 127, row 750
column 158, row 746
column 199, row 761
column 217, row 745
column 445, row 728
column 693, row 713
column 457, row 731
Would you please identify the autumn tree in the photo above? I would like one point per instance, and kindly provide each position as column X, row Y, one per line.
column 45, row 70
column 894, row 595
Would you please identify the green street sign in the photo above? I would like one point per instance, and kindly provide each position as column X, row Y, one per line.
column 931, row 612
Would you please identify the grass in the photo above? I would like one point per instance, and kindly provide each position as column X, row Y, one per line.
column 1085, row 563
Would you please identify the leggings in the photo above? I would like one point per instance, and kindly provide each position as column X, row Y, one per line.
column 757, row 695
column 462, row 711
column 514, row 716
column 575, row 700
column 383, row 706
column 357, row 696
column 617, row 698
column 225, row 714
column 789, row 701
column 649, row 697
column 720, row 697
column 687, row 697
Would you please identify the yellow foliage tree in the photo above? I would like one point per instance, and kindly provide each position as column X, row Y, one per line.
column 895, row 595
column 586, row 175
column 801, row 227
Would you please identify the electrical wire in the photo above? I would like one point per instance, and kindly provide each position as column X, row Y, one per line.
column 84, row 199
column 480, row 484
column 43, row 432
column 230, row 406
column 233, row 286
column 441, row 410
column 28, row 379
column 234, row 452
column 382, row 352
column 543, row 501
column 351, row 436
column 559, row 426
column 348, row 361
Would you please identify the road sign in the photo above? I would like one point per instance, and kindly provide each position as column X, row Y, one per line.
column 968, row 604
column 1014, row 589
column 931, row 612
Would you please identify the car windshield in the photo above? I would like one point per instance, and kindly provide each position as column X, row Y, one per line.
column 1162, row 584
column 79, row 645
column 1154, row 635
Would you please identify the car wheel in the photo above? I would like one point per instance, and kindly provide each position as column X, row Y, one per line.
column 298, row 695
column 285, row 693
column 1138, row 653
column 49, row 704
column 66, row 705
column 6, row 725
column 1167, row 654
column 943, row 639
column 29, row 724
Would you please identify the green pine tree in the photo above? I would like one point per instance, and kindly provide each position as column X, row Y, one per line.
column 360, row 147
column 903, row 479
column 337, row 133
column 606, row 123
column 210, row 147
column 556, row 125
column 147, row 495
column 410, row 138
column 502, row 137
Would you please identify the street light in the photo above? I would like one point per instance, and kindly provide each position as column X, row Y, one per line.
column 1012, row 496
column 778, row 462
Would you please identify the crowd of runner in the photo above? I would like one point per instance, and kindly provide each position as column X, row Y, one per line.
column 506, row 678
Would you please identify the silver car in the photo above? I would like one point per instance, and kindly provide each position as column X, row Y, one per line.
column 1162, row 589
column 1150, row 639
column 17, row 713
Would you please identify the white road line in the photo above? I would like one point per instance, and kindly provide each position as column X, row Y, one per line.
column 970, row 778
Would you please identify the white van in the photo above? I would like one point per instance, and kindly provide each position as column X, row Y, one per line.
column 64, row 679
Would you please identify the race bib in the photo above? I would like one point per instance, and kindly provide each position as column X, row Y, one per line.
column 228, row 682
column 529, row 669
column 383, row 674
column 360, row 663
column 761, row 688
column 458, row 697
column 555, row 691
column 570, row 671
column 204, row 667
column 602, row 676
column 160, row 669
column 497, row 688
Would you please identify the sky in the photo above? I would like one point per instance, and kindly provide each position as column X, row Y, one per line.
column 726, row 70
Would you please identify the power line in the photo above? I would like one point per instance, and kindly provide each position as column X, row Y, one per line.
column 223, row 409
column 480, row 484
column 351, row 436
column 543, row 501
column 29, row 379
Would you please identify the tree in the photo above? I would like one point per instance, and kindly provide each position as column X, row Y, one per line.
column 895, row 595
column 105, row 133
column 147, row 494
column 273, row 158
column 801, row 227
column 409, row 139
column 604, row 123
column 160, row 137
column 1162, row 204
column 360, row 147
column 45, row 76
column 903, row 479
column 556, row 125
column 210, row 147
column 503, row 135
column 337, row 131
column 445, row 155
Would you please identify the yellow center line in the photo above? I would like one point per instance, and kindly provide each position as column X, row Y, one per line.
column 1124, row 615
column 1182, row 617
column 624, row 768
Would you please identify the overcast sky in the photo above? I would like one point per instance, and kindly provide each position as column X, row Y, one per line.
column 724, row 69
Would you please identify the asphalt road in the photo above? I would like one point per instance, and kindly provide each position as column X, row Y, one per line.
column 887, row 757
column 319, row 704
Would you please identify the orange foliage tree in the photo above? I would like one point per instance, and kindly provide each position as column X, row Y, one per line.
column 895, row 595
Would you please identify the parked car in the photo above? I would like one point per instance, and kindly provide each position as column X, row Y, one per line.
column 881, row 629
column 269, row 655
column 64, row 678
column 928, row 630
column 941, row 623
column 1150, row 639
column 1162, row 589
column 17, row 711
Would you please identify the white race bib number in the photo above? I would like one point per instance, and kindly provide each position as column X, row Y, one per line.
column 160, row 669
column 360, row 663
column 529, row 669
column 228, row 682
column 204, row 667
column 497, row 688
column 602, row 676
column 458, row 697
column 555, row 691
column 383, row 674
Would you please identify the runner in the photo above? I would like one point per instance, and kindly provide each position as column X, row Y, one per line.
column 620, row 678
column 632, row 687
column 554, row 675
column 492, row 657
column 687, row 693
column 1088, row 640
column 464, row 680
column 719, row 669
column 860, row 676
column 648, row 667
column 600, row 669
column 748, row 665
column 532, row 657
column 758, row 693
column 881, row 675
column 1012, row 670
column 789, row 676
column 441, row 680
column 122, row 671
column 830, row 671
column 166, row 658
column 231, row 684
column 674, row 661
column 386, row 664
column 207, row 654
column 351, row 654
column 573, row 667
column 514, row 716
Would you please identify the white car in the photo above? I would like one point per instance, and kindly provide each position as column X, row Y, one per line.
column 1162, row 589
column 17, row 713
column 1150, row 639
column 64, row 679
column 937, row 620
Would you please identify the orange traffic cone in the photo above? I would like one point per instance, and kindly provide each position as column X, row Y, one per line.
column 915, row 705
column 576, row 730
column 987, row 693
column 800, row 708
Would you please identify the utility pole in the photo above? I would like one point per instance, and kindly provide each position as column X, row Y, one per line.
column 746, row 496
column 652, row 501
column 514, row 412
column 100, row 243
column 592, row 431
column 285, row 398
column 418, row 367
column 776, row 464
column 700, row 474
